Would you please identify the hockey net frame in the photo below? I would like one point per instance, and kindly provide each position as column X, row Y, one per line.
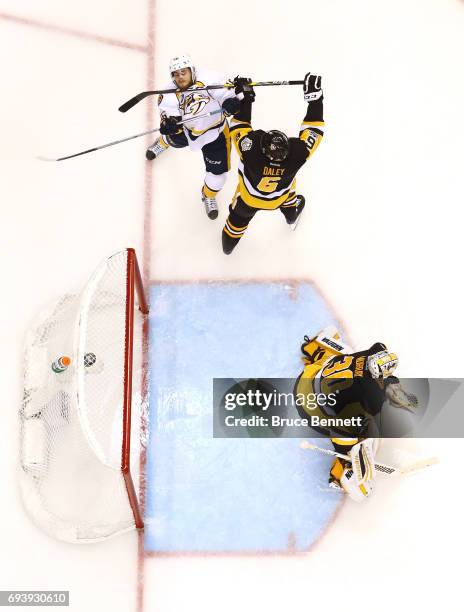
column 77, row 319
column 134, row 285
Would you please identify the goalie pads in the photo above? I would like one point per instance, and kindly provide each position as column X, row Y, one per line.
column 326, row 344
column 357, row 478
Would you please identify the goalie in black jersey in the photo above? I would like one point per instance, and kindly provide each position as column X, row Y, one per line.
column 269, row 161
column 361, row 381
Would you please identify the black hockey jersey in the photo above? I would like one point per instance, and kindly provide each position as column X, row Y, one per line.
column 264, row 184
column 348, row 378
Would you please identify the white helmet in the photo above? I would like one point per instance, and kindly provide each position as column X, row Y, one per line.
column 382, row 364
column 182, row 61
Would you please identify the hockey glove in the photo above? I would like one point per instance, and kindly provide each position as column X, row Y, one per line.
column 312, row 87
column 169, row 125
column 400, row 399
column 243, row 89
column 230, row 106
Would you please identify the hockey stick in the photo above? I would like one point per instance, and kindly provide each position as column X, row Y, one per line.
column 115, row 142
column 144, row 94
column 380, row 467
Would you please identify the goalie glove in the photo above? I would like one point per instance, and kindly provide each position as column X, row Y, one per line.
column 398, row 397
column 312, row 87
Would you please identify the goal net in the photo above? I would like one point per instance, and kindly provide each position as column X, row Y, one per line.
column 77, row 414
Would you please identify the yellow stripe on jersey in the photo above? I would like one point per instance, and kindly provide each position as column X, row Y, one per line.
column 312, row 137
column 290, row 201
column 200, row 132
column 316, row 124
column 263, row 202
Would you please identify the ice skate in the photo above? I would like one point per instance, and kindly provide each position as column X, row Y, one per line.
column 155, row 150
column 211, row 206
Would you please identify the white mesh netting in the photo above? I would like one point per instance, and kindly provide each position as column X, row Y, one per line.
column 72, row 420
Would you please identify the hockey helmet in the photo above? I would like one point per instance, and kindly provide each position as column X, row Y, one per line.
column 275, row 145
column 182, row 61
column 382, row 364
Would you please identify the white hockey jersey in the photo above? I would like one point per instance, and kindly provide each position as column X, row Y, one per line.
column 189, row 103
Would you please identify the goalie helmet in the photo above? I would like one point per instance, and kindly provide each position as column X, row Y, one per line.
column 382, row 364
column 275, row 145
column 182, row 61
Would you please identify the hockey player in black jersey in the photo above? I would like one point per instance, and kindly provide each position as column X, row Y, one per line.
column 362, row 382
column 269, row 161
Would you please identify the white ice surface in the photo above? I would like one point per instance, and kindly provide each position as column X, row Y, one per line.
column 382, row 237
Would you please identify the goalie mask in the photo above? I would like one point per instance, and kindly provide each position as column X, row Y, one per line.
column 180, row 62
column 275, row 145
column 382, row 364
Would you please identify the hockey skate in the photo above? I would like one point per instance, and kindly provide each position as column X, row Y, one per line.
column 211, row 206
column 155, row 150
column 299, row 209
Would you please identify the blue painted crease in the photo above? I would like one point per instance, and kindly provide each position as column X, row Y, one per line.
column 228, row 495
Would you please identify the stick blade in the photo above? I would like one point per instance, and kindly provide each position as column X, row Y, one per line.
column 135, row 100
column 45, row 159
column 127, row 106
column 419, row 465
column 305, row 445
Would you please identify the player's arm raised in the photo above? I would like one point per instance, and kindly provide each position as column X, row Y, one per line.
column 240, row 124
column 312, row 127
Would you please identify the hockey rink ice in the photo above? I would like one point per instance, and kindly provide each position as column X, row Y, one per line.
column 378, row 250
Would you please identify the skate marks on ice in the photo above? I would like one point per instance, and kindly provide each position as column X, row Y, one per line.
column 207, row 495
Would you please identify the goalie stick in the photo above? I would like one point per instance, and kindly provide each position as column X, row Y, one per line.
column 380, row 467
column 144, row 94
column 115, row 142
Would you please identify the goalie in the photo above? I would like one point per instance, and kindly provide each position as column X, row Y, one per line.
column 362, row 381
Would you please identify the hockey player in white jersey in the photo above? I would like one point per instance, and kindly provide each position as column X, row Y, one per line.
column 208, row 134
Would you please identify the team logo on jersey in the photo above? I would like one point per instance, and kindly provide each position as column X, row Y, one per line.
column 194, row 103
column 246, row 144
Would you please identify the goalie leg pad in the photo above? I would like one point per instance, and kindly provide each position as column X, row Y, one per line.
column 359, row 481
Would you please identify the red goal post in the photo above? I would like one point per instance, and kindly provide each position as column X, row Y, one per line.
column 82, row 407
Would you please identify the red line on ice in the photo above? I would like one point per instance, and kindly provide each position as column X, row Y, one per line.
column 146, row 272
column 71, row 32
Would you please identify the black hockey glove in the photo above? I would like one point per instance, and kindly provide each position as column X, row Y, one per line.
column 230, row 106
column 312, row 87
column 169, row 125
column 243, row 89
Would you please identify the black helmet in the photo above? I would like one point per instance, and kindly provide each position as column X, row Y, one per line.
column 275, row 145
